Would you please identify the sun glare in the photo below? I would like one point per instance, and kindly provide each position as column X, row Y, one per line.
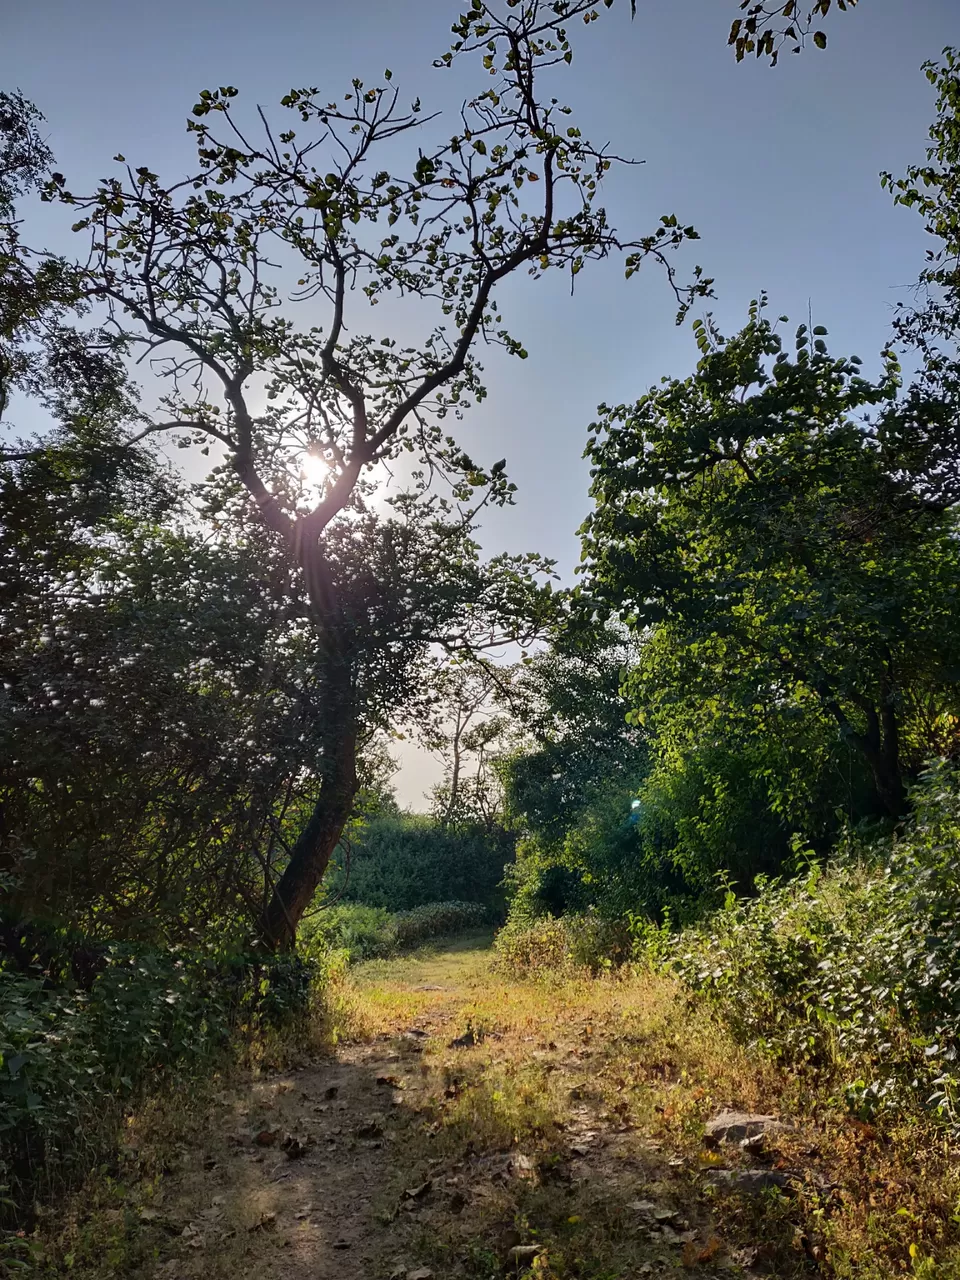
column 316, row 470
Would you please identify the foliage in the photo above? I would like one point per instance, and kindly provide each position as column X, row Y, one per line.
column 769, row 26
column 852, row 968
column 74, row 1054
column 730, row 796
column 366, row 933
column 568, row 787
column 147, row 727
column 549, row 944
column 773, row 540
column 401, row 861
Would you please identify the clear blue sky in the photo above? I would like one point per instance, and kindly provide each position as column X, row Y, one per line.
column 777, row 168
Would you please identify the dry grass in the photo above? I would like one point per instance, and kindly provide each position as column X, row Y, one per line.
column 630, row 1061
column 579, row 1098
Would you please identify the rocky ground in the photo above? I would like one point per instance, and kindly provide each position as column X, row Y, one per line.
column 469, row 1126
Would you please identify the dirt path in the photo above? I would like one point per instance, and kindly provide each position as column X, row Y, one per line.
column 466, row 1127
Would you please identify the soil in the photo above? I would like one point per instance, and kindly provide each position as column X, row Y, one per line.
column 339, row 1169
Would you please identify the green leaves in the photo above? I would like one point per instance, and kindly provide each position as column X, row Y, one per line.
column 750, row 518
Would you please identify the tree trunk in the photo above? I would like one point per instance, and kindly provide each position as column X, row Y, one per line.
column 316, row 843
column 339, row 728
column 882, row 752
column 880, row 748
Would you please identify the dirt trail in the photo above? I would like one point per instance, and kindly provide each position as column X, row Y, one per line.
column 462, row 1132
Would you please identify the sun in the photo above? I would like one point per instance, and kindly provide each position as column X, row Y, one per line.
column 315, row 470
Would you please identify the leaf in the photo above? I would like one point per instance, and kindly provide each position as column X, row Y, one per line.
column 820, row 39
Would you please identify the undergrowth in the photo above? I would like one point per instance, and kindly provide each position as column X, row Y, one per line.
column 368, row 933
column 852, row 970
column 77, row 1056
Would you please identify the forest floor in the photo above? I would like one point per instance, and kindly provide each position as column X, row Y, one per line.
column 467, row 1126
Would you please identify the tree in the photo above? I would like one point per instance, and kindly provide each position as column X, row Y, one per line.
column 771, row 25
column 570, row 783
column 769, row 538
column 469, row 732
column 568, row 705
column 193, row 274
column 925, row 427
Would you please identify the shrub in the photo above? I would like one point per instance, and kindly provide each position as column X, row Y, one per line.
column 71, row 1060
column 366, row 933
column 855, row 968
column 403, row 861
column 436, row 919
column 586, row 941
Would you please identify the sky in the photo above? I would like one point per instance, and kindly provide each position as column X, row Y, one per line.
column 776, row 167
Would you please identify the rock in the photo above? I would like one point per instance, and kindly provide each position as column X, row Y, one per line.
column 755, row 1147
column 750, row 1181
column 340, row 1244
column 643, row 1206
column 735, row 1126
column 524, row 1252
column 467, row 1040
column 418, row 1193
column 521, row 1166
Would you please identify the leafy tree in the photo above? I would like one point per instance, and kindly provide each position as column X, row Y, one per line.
column 193, row 273
column 570, row 784
column 469, row 733
column 769, row 26
column 925, row 428
column 568, row 704
column 769, row 537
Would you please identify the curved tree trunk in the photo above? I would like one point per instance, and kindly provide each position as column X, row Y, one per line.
column 316, row 843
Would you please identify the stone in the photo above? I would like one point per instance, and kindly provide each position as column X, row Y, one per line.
column 751, row 1181
column 524, row 1252
column 735, row 1126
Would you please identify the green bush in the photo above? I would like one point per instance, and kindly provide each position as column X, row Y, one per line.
column 559, row 944
column 403, row 861
column 600, row 863
column 361, row 932
column 366, row 933
column 853, row 969
column 72, row 1060
column 437, row 919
